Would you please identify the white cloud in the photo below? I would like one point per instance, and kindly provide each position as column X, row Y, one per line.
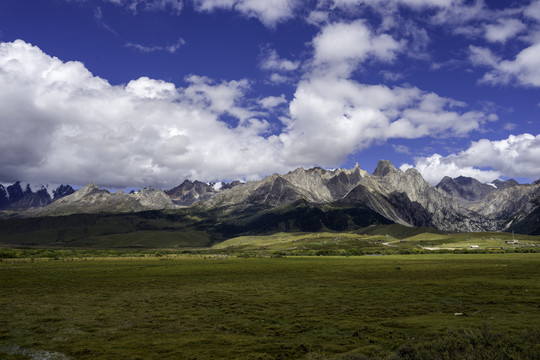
column 510, row 126
column 391, row 76
column 340, row 47
column 175, row 6
column 171, row 48
column 61, row 124
column 461, row 12
column 152, row 89
column 480, row 56
column 326, row 126
column 381, row 3
column 220, row 98
column 533, row 10
column 402, row 149
column 427, row 3
column 503, row 30
column 278, row 78
column 272, row 61
column 98, row 16
column 271, row 102
column 435, row 167
column 317, row 17
column 485, row 160
column 523, row 70
column 270, row 13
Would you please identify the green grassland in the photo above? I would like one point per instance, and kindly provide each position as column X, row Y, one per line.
column 387, row 239
column 210, row 307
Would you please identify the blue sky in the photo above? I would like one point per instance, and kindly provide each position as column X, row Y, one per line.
column 130, row 93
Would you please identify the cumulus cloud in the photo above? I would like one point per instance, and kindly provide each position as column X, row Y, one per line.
column 221, row 98
column 62, row 124
column 326, row 126
column 486, row 160
column 435, row 167
column 333, row 115
column 341, row 46
column 145, row 87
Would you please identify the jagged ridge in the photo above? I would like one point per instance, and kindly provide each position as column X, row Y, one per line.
column 404, row 197
column 15, row 198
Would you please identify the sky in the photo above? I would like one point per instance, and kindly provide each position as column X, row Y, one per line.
column 132, row 93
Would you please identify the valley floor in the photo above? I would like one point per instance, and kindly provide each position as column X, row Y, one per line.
column 208, row 307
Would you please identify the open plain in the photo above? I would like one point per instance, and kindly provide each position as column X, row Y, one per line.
column 445, row 306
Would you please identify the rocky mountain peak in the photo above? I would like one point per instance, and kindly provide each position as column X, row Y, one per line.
column 61, row 191
column 152, row 198
column 504, row 184
column 384, row 167
column 465, row 189
column 20, row 197
column 190, row 192
column 15, row 191
column 88, row 188
column 92, row 199
column 4, row 200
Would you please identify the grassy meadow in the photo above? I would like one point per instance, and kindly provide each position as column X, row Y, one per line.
column 378, row 240
column 445, row 306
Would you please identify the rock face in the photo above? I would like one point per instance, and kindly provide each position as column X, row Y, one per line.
column 499, row 184
column 445, row 212
column 61, row 191
column 91, row 199
column 394, row 206
column 465, row 189
column 188, row 193
column 313, row 185
column 4, row 199
column 17, row 197
column 509, row 204
column 505, row 202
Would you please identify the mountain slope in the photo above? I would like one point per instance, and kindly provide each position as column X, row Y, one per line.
column 509, row 204
column 190, row 192
column 446, row 213
column 91, row 199
column 465, row 189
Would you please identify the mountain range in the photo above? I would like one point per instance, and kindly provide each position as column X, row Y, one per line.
column 19, row 197
column 403, row 197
